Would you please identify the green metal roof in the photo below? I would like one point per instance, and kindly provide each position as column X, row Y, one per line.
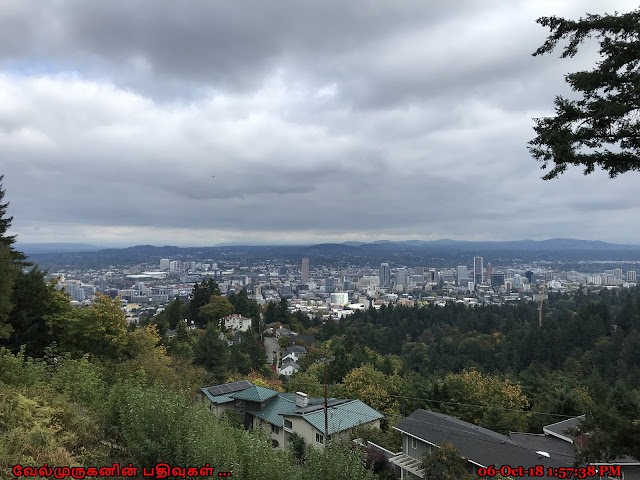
column 255, row 393
column 277, row 407
column 218, row 399
column 341, row 417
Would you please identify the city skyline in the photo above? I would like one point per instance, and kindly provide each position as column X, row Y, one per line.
column 122, row 124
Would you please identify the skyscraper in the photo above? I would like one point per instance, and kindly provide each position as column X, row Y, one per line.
column 305, row 270
column 488, row 272
column 329, row 285
column 478, row 270
column 401, row 277
column 385, row 275
column 463, row 275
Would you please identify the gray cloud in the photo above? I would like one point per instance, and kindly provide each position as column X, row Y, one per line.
column 320, row 121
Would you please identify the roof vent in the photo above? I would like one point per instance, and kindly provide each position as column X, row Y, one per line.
column 302, row 399
column 543, row 454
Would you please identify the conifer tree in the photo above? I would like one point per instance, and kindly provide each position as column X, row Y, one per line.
column 5, row 223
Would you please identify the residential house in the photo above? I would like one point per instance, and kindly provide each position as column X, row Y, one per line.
column 281, row 415
column 237, row 322
column 294, row 353
column 284, row 332
column 309, row 340
column 565, row 431
column 288, row 368
column 343, row 417
column 424, row 430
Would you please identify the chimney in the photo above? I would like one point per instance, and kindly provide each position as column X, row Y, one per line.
column 302, row 399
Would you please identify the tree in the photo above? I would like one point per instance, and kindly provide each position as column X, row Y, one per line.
column 99, row 329
column 613, row 427
column 7, row 275
column 374, row 388
column 602, row 128
column 212, row 352
column 200, row 296
column 445, row 463
column 33, row 300
column 5, row 223
column 306, row 383
column 217, row 308
column 175, row 313
column 486, row 400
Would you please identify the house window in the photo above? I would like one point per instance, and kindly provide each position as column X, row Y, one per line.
column 210, row 406
column 319, row 438
column 288, row 424
column 275, row 430
column 414, row 443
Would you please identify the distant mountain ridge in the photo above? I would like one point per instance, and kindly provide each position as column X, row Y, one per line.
column 571, row 253
column 554, row 244
column 31, row 248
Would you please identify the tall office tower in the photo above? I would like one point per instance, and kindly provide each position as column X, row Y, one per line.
column 529, row 275
column 617, row 274
column 418, row 271
column 517, row 281
column 431, row 276
column 631, row 276
column 164, row 264
column 385, row 275
column 329, row 285
column 173, row 266
column 305, row 270
column 478, row 270
column 463, row 275
column 102, row 284
column 401, row 277
column 488, row 272
column 497, row 279
column 192, row 265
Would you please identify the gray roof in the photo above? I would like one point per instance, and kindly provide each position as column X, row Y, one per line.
column 478, row 444
column 542, row 442
column 560, row 429
column 295, row 349
column 289, row 363
column 306, row 338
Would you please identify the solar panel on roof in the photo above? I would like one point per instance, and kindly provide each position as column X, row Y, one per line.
column 229, row 387
column 241, row 385
column 215, row 391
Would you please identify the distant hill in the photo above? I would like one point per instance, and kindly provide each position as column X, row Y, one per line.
column 562, row 252
column 554, row 244
column 31, row 248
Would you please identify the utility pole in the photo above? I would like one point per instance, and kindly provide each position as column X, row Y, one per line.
column 326, row 402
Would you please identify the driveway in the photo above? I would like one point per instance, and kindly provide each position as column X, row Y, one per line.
column 271, row 346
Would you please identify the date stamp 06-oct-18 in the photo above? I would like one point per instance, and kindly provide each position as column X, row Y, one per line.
column 591, row 471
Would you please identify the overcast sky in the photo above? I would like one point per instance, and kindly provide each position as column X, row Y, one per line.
column 325, row 120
